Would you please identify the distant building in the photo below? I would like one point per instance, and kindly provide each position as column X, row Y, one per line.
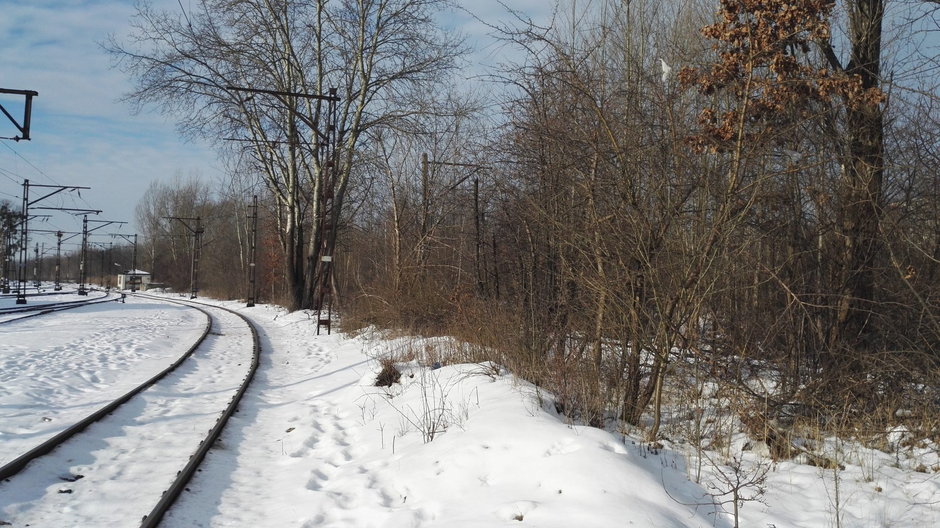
column 133, row 279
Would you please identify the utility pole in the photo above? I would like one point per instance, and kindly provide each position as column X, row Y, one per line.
column 10, row 271
column 197, row 253
column 134, row 264
column 58, row 261
column 425, row 201
column 196, row 229
column 24, row 236
column 58, row 253
column 107, row 271
column 329, row 215
column 478, row 237
column 24, row 131
column 83, row 265
column 36, row 267
column 253, row 252
column 21, row 269
column 133, row 258
column 84, row 254
column 7, row 260
column 104, row 273
column 325, row 148
column 19, row 262
column 477, row 214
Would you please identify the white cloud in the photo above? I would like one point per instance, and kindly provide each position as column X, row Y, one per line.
column 82, row 134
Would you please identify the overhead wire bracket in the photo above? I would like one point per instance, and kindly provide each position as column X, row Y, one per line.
column 27, row 112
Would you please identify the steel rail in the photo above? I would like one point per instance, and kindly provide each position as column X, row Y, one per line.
column 37, row 307
column 36, row 311
column 16, row 465
column 152, row 520
column 176, row 488
column 40, row 293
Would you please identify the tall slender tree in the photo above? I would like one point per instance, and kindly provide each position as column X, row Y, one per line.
column 379, row 55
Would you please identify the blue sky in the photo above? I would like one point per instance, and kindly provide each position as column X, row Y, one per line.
column 83, row 135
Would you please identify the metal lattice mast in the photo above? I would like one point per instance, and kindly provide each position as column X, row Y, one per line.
column 134, row 264
column 197, row 254
column 133, row 270
column 253, row 252
column 27, row 112
column 36, row 265
column 24, row 230
column 23, row 128
column 58, row 261
column 329, row 215
column 196, row 230
column 84, row 254
column 21, row 268
column 83, row 264
column 325, row 148
column 7, row 261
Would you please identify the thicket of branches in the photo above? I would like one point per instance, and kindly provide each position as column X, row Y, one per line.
column 754, row 192
column 380, row 57
column 760, row 202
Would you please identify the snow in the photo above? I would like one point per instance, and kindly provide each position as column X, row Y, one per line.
column 315, row 443
column 55, row 371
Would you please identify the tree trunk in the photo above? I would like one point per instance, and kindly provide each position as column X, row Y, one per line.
column 852, row 335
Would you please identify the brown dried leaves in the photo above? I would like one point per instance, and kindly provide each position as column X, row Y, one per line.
column 758, row 43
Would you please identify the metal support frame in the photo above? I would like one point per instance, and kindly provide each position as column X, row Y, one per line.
column 27, row 112
column 134, row 266
column 58, row 261
column 327, row 215
column 253, row 253
column 197, row 254
column 104, row 272
column 24, row 230
column 83, row 264
column 196, row 231
column 477, row 213
column 134, row 277
column 21, row 268
column 36, row 268
column 57, row 277
column 84, row 254
column 7, row 261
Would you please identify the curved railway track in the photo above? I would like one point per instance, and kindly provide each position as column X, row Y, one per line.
column 20, row 312
column 139, row 415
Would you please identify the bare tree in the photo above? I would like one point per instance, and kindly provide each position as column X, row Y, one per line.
column 165, row 245
column 379, row 56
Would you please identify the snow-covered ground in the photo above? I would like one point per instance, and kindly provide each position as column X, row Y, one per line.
column 315, row 443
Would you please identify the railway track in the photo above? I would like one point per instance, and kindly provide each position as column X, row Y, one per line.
column 174, row 418
column 19, row 312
